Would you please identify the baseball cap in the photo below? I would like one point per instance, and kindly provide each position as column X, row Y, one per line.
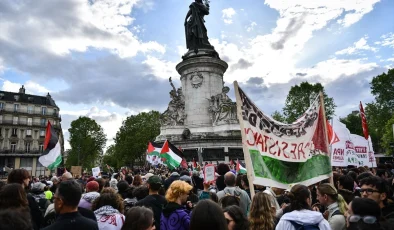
column 154, row 180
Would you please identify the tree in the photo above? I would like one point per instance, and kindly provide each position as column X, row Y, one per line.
column 87, row 140
column 278, row 116
column 388, row 138
column 111, row 159
column 353, row 123
column 132, row 139
column 298, row 101
column 380, row 111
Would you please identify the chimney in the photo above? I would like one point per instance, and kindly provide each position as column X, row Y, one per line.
column 22, row 89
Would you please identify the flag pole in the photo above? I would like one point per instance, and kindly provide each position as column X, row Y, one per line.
column 323, row 110
column 248, row 160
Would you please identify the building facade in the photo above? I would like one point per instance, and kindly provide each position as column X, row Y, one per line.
column 23, row 120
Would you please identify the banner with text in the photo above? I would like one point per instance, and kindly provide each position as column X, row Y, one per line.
column 342, row 150
column 364, row 150
column 284, row 154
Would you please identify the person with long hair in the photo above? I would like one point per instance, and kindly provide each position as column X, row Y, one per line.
column 13, row 196
column 108, row 208
column 301, row 213
column 262, row 212
column 335, row 205
column 207, row 215
column 364, row 214
column 139, row 218
column 137, row 181
column 236, row 219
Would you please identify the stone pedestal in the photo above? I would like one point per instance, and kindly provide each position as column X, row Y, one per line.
column 202, row 78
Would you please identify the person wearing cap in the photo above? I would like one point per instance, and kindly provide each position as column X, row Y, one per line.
column 91, row 194
column 37, row 191
column 154, row 200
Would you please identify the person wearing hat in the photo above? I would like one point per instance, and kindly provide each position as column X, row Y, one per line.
column 91, row 194
column 154, row 200
column 37, row 191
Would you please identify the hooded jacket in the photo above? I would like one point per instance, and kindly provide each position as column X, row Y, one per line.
column 87, row 200
column 304, row 217
column 174, row 217
column 337, row 222
column 109, row 218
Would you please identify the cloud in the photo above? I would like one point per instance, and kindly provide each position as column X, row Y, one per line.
column 251, row 26
column 227, row 15
column 60, row 27
column 295, row 24
column 30, row 86
column 387, row 40
column 241, row 64
column 357, row 47
column 301, row 74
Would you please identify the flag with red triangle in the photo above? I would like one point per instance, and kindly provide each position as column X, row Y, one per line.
column 332, row 136
column 169, row 154
column 240, row 168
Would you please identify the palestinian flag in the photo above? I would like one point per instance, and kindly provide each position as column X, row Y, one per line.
column 153, row 153
column 170, row 155
column 240, row 169
column 52, row 150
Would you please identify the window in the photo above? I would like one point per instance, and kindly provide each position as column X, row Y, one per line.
column 13, row 147
column 42, row 133
column 40, row 169
column 27, row 147
column 16, row 97
column 1, row 106
column 30, row 109
column 14, row 132
column 26, row 163
column 54, row 112
column 28, row 133
column 44, row 110
column 16, row 107
column 29, row 121
column 15, row 120
column 41, row 148
column 43, row 122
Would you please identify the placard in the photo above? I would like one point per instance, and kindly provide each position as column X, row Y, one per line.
column 209, row 173
column 76, row 170
column 96, row 171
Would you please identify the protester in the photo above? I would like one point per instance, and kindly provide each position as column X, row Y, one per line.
column 130, row 199
column 262, row 215
column 245, row 184
column 375, row 188
column 37, row 191
column 364, row 214
column 55, row 182
column 173, row 177
column 67, row 176
column 48, row 193
column 175, row 216
column 222, row 169
column 15, row 219
column 275, row 193
column 137, row 181
column 122, row 187
column 22, row 177
column 335, row 204
column 66, row 199
column 129, row 179
column 139, row 218
column 141, row 192
column 301, row 213
column 235, row 218
column 207, row 215
column 231, row 190
column 154, row 200
column 108, row 208
column 346, row 187
column 91, row 194
column 13, row 196
column 114, row 181
column 101, row 183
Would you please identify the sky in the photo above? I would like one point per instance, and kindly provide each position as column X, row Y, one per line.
column 109, row 59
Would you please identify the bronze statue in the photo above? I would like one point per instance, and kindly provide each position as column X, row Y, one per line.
column 195, row 30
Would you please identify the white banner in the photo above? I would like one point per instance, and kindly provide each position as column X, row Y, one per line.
column 342, row 149
column 364, row 150
column 96, row 171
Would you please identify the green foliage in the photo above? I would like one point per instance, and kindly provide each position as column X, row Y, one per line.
column 132, row 139
column 87, row 140
column 388, row 136
column 298, row 101
column 111, row 159
column 278, row 116
column 379, row 113
column 353, row 123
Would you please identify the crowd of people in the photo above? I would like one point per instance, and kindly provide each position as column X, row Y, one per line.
column 158, row 198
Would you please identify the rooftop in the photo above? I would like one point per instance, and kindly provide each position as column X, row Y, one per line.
column 22, row 97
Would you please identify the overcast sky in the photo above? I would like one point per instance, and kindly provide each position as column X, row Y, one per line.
column 108, row 59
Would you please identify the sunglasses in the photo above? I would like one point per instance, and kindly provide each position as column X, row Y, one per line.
column 365, row 219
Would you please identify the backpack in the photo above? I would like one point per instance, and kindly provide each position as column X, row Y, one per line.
column 298, row 226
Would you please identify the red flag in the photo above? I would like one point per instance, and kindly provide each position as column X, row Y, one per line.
column 165, row 148
column 332, row 136
column 364, row 121
column 150, row 148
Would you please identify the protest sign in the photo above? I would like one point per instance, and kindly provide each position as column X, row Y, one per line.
column 281, row 155
column 96, row 171
column 342, row 150
column 209, row 173
column 76, row 170
column 364, row 150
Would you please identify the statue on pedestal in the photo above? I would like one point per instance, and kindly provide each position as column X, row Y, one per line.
column 175, row 113
column 223, row 109
column 195, row 30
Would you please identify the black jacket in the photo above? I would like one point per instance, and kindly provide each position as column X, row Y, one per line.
column 36, row 215
column 157, row 203
column 73, row 221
